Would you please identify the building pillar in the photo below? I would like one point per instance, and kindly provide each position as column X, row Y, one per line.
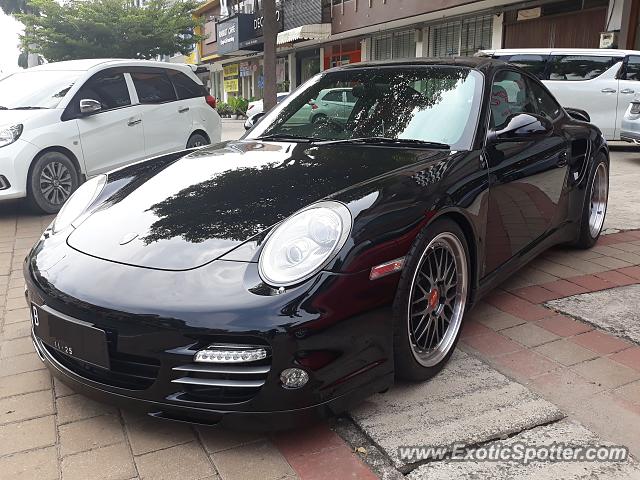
column 322, row 59
column 628, row 24
column 293, row 81
column 365, row 49
column 420, row 36
column 496, row 34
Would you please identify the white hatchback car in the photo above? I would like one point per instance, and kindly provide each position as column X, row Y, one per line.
column 61, row 123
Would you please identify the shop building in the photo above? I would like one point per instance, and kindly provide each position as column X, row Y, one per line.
column 315, row 35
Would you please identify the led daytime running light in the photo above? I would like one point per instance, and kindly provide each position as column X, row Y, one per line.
column 230, row 356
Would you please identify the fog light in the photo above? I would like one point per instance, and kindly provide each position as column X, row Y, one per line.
column 294, row 378
column 215, row 355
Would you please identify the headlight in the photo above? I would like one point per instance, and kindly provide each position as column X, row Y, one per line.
column 78, row 202
column 304, row 243
column 10, row 134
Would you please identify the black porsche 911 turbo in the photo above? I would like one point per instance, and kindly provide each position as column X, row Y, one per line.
column 263, row 282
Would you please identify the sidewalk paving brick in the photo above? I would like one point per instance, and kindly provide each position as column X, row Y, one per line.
column 565, row 352
column 186, row 462
column 113, row 463
column 600, row 342
column 81, row 436
column 27, row 435
column 40, row 464
column 255, row 460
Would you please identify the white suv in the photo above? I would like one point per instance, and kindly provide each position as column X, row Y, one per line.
column 601, row 82
column 63, row 122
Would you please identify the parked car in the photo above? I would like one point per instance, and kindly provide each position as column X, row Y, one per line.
column 255, row 111
column 262, row 282
column 333, row 104
column 600, row 81
column 630, row 129
column 63, row 122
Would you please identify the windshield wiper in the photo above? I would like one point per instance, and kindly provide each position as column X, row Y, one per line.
column 286, row 137
column 387, row 141
column 28, row 108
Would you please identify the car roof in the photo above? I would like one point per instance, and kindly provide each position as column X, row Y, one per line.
column 571, row 51
column 90, row 63
column 479, row 63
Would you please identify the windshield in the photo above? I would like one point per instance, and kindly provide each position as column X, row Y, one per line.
column 36, row 88
column 433, row 104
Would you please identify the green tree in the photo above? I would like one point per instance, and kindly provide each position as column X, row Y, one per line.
column 109, row 28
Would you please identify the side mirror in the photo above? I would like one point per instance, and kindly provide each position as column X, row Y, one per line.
column 521, row 127
column 578, row 114
column 88, row 105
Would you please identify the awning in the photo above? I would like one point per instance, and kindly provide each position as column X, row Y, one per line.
column 318, row 31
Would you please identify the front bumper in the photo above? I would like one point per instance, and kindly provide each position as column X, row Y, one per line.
column 156, row 320
column 15, row 160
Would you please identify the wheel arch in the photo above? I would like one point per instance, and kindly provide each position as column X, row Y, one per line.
column 64, row 151
column 470, row 235
column 200, row 132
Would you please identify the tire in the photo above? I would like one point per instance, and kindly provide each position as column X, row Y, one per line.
column 413, row 359
column 594, row 208
column 52, row 179
column 197, row 140
column 319, row 118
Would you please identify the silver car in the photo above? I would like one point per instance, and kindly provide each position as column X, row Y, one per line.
column 630, row 128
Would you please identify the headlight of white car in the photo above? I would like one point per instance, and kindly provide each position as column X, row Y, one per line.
column 10, row 134
column 304, row 243
column 78, row 202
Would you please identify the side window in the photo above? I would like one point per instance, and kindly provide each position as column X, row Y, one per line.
column 580, row 67
column 153, row 86
column 632, row 70
column 108, row 88
column 351, row 97
column 546, row 105
column 335, row 96
column 185, row 87
column 509, row 95
column 533, row 64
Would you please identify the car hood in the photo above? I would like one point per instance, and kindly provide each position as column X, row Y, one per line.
column 199, row 207
column 13, row 117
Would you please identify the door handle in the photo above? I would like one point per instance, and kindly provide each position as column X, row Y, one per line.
column 627, row 91
column 608, row 90
column 183, row 109
column 133, row 122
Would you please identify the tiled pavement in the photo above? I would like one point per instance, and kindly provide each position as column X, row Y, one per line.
column 47, row 431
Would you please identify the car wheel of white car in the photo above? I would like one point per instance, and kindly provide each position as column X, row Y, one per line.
column 52, row 180
column 197, row 140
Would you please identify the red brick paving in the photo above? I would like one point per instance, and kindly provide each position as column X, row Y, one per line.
column 629, row 357
column 592, row 283
column 492, row 344
column 563, row 326
column 320, row 454
column 526, row 363
column 600, row 342
column 517, row 306
column 617, row 278
column 535, row 294
column 564, row 288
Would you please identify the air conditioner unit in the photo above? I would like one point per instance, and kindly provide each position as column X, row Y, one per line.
column 609, row 40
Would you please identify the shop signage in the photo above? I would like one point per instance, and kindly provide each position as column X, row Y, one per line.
column 231, row 70
column 245, row 69
column 258, row 21
column 235, row 31
column 231, row 85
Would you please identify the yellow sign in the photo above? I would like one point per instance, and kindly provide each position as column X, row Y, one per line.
column 231, row 70
column 231, row 85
